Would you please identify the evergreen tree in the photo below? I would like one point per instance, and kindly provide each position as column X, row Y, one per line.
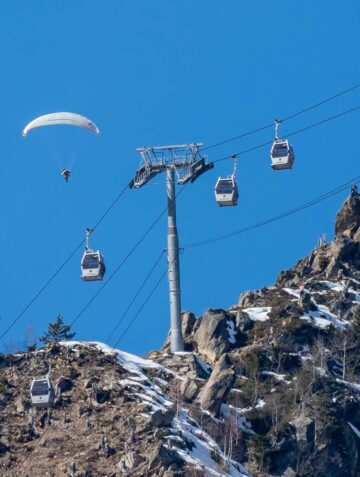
column 57, row 331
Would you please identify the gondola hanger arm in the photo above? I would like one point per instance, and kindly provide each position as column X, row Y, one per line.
column 277, row 123
column 234, row 157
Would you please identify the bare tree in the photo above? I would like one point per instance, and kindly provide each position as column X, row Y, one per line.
column 29, row 338
column 319, row 353
column 303, row 387
column 276, row 413
column 27, row 343
column 231, row 433
column 344, row 348
column 253, row 373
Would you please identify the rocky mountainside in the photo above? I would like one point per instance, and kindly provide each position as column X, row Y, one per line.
column 114, row 414
column 268, row 387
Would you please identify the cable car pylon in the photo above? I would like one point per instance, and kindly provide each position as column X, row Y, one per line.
column 187, row 163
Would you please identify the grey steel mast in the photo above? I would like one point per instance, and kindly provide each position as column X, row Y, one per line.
column 186, row 162
column 177, row 341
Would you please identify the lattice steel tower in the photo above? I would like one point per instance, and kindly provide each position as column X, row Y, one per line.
column 186, row 163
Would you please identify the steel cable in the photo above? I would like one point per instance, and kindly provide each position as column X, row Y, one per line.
column 267, row 126
column 58, row 270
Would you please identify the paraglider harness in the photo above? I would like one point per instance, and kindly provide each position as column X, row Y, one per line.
column 66, row 174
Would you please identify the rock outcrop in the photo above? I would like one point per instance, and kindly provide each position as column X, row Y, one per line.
column 348, row 218
column 212, row 337
column 216, row 390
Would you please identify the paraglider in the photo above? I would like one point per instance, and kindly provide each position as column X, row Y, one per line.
column 69, row 119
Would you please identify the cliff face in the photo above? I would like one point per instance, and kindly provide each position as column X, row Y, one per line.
column 269, row 387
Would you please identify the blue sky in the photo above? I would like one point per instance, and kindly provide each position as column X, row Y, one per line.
column 159, row 72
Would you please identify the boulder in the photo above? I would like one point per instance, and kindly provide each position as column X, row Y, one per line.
column 305, row 301
column 130, row 461
column 188, row 390
column 163, row 418
column 188, row 323
column 249, row 298
column 3, row 449
column 289, row 472
column 243, row 322
column 64, row 384
column 215, row 391
column 356, row 235
column 188, row 365
column 22, row 405
column 305, row 429
column 88, row 382
column 102, row 395
column 164, row 457
column 212, row 336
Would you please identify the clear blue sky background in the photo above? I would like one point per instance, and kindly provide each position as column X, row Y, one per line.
column 165, row 72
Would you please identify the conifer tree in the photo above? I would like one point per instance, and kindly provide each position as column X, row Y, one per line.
column 57, row 331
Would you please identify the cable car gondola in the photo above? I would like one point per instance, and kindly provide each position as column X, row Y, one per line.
column 42, row 392
column 226, row 190
column 92, row 263
column 282, row 153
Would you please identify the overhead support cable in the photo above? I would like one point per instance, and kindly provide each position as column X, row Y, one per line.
column 135, row 296
column 267, row 126
column 60, row 268
column 143, row 304
column 298, row 131
column 276, row 218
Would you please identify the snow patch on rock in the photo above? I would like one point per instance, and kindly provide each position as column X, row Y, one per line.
column 258, row 313
column 232, row 332
column 204, row 448
column 322, row 318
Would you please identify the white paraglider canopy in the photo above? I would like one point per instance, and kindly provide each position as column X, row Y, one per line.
column 70, row 119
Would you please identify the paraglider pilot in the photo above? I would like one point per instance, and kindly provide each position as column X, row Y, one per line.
column 66, row 174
